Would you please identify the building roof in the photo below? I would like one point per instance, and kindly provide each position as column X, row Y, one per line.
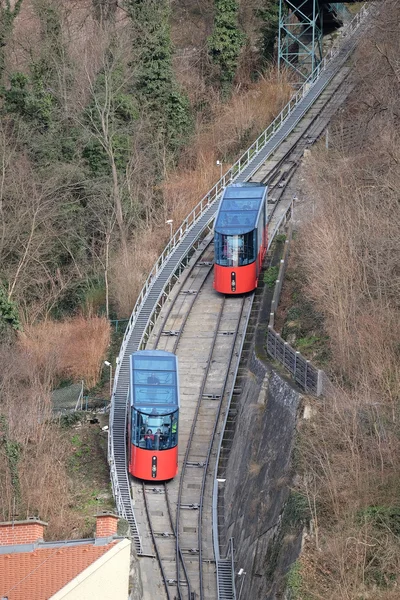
column 40, row 573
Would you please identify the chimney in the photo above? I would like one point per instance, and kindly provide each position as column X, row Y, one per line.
column 106, row 525
column 21, row 532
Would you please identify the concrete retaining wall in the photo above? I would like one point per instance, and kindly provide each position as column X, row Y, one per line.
column 258, row 480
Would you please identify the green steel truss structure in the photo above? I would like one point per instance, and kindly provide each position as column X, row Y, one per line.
column 300, row 37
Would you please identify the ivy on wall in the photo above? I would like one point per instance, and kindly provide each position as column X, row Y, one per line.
column 269, row 15
column 226, row 41
column 8, row 13
column 155, row 85
column 8, row 312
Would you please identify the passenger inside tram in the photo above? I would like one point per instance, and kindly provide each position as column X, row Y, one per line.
column 149, row 438
column 164, row 426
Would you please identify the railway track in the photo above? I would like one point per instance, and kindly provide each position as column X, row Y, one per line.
column 163, row 533
column 206, row 332
column 191, row 326
column 214, row 337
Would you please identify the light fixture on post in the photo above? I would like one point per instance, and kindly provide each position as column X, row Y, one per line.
column 241, row 574
column 108, row 364
column 169, row 222
column 219, row 164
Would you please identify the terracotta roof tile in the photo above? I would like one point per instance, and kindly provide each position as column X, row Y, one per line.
column 39, row 574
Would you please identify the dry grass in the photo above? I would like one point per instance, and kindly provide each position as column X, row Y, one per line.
column 228, row 128
column 254, row 469
column 38, row 460
column 350, row 253
column 71, row 349
column 349, row 457
column 130, row 271
column 228, row 131
column 42, row 483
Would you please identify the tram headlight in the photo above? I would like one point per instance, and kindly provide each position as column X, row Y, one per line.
column 154, row 466
column 233, row 281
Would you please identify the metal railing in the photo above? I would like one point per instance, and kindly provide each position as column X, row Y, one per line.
column 79, row 402
column 304, row 373
column 226, row 589
column 210, row 198
column 233, row 173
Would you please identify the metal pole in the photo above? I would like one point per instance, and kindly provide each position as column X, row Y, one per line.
column 313, row 39
column 279, row 37
column 169, row 222
column 242, row 582
column 111, row 381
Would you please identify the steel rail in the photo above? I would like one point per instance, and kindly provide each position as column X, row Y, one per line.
column 172, row 305
column 175, row 533
column 155, row 343
column 179, row 555
column 214, row 430
column 182, row 243
column 193, row 426
column 146, row 503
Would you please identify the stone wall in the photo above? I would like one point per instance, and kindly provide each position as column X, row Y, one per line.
column 258, row 482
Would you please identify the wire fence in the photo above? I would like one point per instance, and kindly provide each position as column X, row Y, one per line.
column 119, row 324
column 304, row 373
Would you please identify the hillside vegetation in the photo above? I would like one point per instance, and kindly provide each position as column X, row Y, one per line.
column 112, row 117
column 105, row 133
column 349, row 255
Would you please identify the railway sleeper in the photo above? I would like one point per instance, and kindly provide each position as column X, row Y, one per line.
column 175, row 582
column 196, row 464
column 164, row 534
column 189, row 550
column 192, row 506
column 229, row 432
column 212, row 396
column 155, row 490
column 171, row 332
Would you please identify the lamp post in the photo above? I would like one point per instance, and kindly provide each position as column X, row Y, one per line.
column 241, row 574
column 108, row 364
column 219, row 164
column 169, row 222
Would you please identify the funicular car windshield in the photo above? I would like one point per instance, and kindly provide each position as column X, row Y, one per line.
column 154, row 398
column 235, row 250
column 236, row 225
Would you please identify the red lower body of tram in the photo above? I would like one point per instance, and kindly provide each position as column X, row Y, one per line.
column 153, row 465
column 235, row 280
column 238, row 280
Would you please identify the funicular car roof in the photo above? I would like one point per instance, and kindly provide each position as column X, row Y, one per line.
column 240, row 208
column 154, row 381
